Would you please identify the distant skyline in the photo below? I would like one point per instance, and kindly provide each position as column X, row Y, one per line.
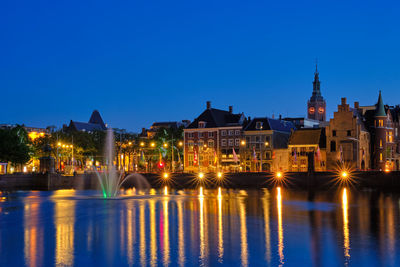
column 140, row 62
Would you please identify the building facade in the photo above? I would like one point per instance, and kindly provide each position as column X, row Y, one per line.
column 307, row 150
column 212, row 141
column 261, row 137
column 316, row 106
column 348, row 140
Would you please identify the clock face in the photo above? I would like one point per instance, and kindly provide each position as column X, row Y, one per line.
column 321, row 110
column 311, row 110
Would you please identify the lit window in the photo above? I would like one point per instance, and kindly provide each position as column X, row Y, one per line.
column 211, row 143
column 259, row 125
column 223, row 142
column 380, row 123
column 380, row 143
column 380, row 156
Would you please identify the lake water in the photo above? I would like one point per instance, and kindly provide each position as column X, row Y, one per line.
column 274, row 227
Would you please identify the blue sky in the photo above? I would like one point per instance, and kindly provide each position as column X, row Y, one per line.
column 143, row 61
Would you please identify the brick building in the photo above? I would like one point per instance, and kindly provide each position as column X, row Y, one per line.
column 348, row 140
column 262, row 137
column 316, row 106
column 211, row 139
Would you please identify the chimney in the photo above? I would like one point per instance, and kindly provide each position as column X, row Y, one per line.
column 208, row 104
column 343, row 101
column 356, row 105
column 230, row 109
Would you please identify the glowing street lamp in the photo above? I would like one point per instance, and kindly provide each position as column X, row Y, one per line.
column 219, row 175
column 141, row 143
column 165, row 145
column 152, row 144
column 180, row 143
column 201, row 176
column 165, row 175
column 279, row 175
column 243, row 143
column 344, row 174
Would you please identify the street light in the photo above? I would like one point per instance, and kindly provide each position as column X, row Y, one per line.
column 165, row 145
column 243, row 142
column 180, row 143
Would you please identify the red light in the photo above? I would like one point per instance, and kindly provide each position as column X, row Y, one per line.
column 160, row 164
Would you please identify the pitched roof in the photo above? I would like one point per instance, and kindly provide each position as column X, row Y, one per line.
column 270, row 124
column 380, row 107
column 95, row 118
column 85, row 126
column 308, row 137
column 217, row 118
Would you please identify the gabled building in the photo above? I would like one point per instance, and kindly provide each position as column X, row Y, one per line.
column 263, row 137
column 348, row 140
column 382, row 122
column 212, row 141
column 95, row 123
column 307, row 150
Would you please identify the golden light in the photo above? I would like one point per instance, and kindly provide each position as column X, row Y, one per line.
column 152, row 144
column 63, row 146
column 243, row 142
column 165, row 175
column 201, row 175
column 279, row 175
column 130, row 143
column 58, row 144
column 71, row 146
column 219, row 175
column 165, row 145
column 387, row 170
column 180, row 143
column 344, row 174
column 141, row 143
column 266, row 143
column 166, row 190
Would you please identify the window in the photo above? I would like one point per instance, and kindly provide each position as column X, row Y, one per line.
column 380, row 143
column 237, row 142
column 200, row 134
column 201, row 144
column 231, row 132
column 259, row 125
column 190, row 145
column 380, row 156
column 190, row 159
column 380, row 123
column 202, row 124
column 395, row 131
column 211, row 143
column 333, row 146
column 267, row 141
column 334, row 133
column 230, row 142
column 348, row 133
column 257, row 139
column 190, row 135
column 210, row 134
column 223, row 133
column 223, row 142
column 390, row 137
column 237, row 132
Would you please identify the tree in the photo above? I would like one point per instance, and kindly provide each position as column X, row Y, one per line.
column 15, row 145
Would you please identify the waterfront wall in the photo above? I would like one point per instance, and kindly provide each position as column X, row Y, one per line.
column 317, row 181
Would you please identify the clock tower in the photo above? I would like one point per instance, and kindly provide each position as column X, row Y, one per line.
column 316, row 106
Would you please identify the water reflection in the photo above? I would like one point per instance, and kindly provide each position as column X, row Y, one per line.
column 280, row 227
column 220, row 228
column 243, row 233
column 202, row 227
column 33, row 232
column 64, row 220
column 346, row 234
column 267, row 231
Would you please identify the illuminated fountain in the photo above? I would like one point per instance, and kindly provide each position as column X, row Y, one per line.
column 110, row 180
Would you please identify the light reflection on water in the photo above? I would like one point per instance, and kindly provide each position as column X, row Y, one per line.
column 201, row 227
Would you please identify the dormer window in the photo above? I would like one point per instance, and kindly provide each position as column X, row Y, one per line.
column 259, row 125
column 202, row 124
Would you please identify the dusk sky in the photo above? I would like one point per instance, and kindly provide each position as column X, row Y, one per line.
column 143, row 61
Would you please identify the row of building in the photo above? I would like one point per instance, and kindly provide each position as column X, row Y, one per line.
column 359, row 137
